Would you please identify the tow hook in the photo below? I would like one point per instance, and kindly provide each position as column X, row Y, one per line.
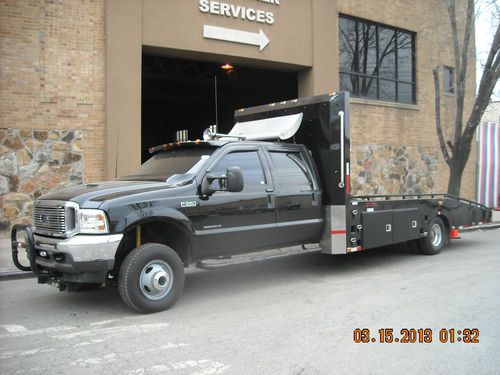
column 53, row 282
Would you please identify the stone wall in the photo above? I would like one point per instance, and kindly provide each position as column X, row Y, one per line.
column 32, row 163
column 385, row 169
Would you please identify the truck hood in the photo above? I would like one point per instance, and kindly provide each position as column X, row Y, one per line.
column 93, row 195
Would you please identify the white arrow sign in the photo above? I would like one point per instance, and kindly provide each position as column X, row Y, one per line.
column 237, row 36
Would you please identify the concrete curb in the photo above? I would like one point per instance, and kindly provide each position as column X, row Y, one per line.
column 488, row 226
column 16, row 275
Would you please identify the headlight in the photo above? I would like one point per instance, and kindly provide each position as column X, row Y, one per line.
column 92, row 221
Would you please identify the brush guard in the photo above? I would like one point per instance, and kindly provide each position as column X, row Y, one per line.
column 44, row 276
column 29, row 246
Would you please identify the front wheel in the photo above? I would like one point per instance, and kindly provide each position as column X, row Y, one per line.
column 151, row 278
column 435, row 240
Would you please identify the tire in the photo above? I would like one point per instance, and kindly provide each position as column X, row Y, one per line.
column 151, row 278
column 435, row 240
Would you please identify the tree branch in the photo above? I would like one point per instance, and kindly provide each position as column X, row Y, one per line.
column 437, row 104
column 452, row 12
column 469, row 22
column 491, row 74
column 459, row 80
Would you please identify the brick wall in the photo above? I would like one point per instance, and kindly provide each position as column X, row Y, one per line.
column 52, row 78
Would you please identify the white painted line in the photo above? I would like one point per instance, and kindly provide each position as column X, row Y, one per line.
column 24, row 353
column 113, row 331
column 36, row 332
column 13, row 328
column 104, row 359
column 103, row 322
column 171, row 345
column 194, row 367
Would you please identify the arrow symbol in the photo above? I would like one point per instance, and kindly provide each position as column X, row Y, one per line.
column 236, row 36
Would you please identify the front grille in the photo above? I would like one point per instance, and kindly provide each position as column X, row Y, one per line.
column 53, row 218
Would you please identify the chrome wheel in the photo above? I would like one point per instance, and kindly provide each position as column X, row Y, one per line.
column 156, row 280
column 436, row 234
column 435, row 239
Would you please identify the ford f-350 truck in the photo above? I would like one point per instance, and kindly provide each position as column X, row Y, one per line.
column 280, row 178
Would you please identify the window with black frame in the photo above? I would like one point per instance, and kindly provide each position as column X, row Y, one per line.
column 376, row 61
column 449, row 80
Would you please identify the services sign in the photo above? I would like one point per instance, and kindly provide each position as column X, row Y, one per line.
column 221, row 9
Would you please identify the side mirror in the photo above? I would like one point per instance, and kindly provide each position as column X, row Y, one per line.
column 232, row 181
column 234, row 177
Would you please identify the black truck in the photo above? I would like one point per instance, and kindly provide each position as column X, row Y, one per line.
column 280, row 178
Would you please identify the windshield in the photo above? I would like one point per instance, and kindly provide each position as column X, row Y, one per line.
column 177, row 166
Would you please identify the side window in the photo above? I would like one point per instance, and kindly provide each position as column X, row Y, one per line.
column 249, row 162
column 291, row 171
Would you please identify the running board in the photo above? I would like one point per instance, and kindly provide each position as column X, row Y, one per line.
column 215, row 263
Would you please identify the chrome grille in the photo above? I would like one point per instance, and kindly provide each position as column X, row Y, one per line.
column 52, row 218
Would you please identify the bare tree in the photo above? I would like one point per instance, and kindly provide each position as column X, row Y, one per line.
column 456, row 151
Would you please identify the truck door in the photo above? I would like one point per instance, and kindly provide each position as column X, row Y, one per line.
column 298, row 198
column 235, row 222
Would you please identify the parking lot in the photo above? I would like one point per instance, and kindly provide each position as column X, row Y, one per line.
column 294, row 315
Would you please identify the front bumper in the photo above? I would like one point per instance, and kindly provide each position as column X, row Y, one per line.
column 81, row 253
column 81, row 258
column 82, row 248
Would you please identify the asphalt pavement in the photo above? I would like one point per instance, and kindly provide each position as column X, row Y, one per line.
column 295, row 315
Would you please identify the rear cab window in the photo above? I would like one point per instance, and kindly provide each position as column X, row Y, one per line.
column 291, row 171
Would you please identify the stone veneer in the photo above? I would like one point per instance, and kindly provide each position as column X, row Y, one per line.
column 385, row 169
column 32, row 163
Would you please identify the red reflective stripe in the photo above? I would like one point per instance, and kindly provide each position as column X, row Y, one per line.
column 339, row 232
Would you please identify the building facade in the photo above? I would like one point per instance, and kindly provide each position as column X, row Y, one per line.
column 88, row 85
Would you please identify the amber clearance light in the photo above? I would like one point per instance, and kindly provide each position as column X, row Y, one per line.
column 227, row 66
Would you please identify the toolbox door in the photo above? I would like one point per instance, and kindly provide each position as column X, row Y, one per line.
column 407, row 223
column 377, row 228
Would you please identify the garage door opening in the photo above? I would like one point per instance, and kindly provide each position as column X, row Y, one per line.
column 179, row 94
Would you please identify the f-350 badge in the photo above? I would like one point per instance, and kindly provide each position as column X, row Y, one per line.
column 188, row 204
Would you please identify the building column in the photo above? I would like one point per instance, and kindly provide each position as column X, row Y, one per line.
column 323, row 77
column 123, row 86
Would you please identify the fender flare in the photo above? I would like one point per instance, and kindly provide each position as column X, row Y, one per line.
column 143, row 212
column 166, row 215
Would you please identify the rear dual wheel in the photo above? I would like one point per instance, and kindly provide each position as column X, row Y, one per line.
column 435, row 240
column 151, row 278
